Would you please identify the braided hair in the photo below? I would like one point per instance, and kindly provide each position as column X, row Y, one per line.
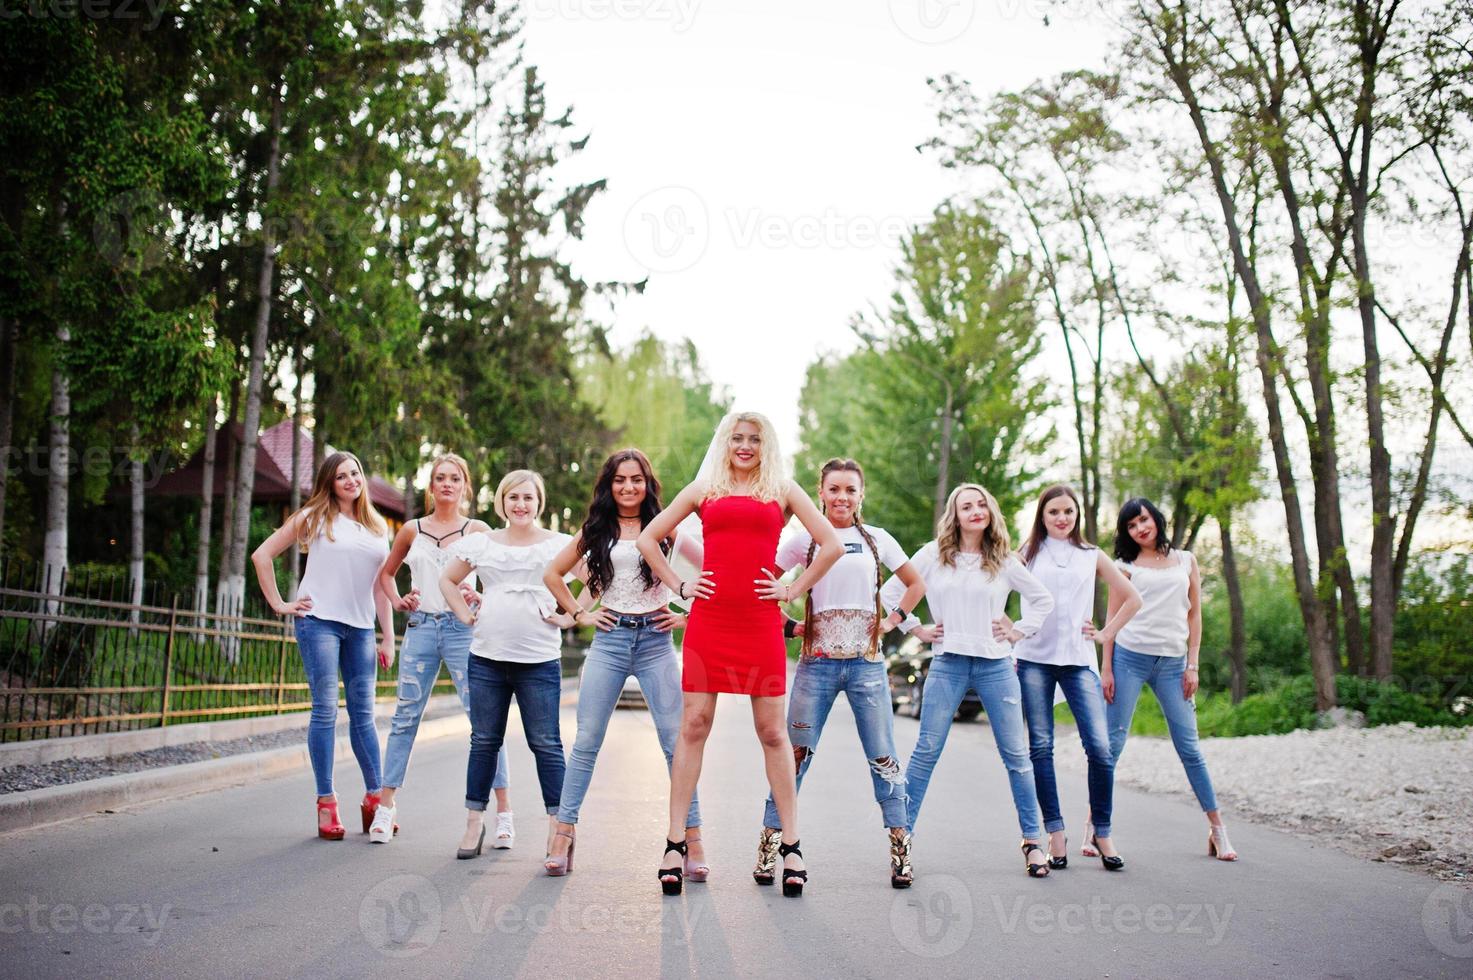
column 839, row 463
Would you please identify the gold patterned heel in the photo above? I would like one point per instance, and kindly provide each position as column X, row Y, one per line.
column 765, row 873
column 901, row 874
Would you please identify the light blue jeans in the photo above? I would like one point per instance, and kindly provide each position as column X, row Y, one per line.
column 429, row 638
column 996, row 683
column 327, row 647
column 1132, row 672
column 866, row 685
column 1081, row 688
column 633, row 647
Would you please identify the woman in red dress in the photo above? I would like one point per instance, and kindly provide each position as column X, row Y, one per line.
column 734, row 641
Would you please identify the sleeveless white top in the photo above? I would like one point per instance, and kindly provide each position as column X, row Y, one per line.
column 340, row 572
column 626, row 593
column 1069, row 575
column 1160, row 628
column 427, row 561
column 510, row 625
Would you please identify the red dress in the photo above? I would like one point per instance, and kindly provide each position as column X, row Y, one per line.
column 734, row 640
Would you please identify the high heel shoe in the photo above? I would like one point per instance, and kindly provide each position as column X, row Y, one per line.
column 1087, row 849
column 556, row 867
column 1116, row 863
column 1218, row 845
column 330, row 828
column 901, row 874
column 466, row 853
column 1060, row 863
column 765, row 873
column 793, row 880
column 697, row 873
column 383, row 828
column 368, row 808
column 1039, row 870
column 677, row 872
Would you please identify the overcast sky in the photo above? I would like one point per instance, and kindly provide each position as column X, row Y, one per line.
column 761, row 155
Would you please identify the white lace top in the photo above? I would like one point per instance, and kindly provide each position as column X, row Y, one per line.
column 427, row 561
column 1161, row 628
column 626, row 593
column 514, row 602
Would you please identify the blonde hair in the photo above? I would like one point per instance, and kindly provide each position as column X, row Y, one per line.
column 995, row 544
column 465, row 476
column 322, row 507
column 513, row 480
column 769, row 483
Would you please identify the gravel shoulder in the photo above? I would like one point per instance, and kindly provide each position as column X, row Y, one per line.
column 1397, row 793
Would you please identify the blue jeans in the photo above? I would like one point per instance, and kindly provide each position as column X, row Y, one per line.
column 1134, row 670
column 429, row 638
column 1081, row 688
column 996, row 683
column 538, row 689
column 816, row 686
column 328, row 647
column 634, row 647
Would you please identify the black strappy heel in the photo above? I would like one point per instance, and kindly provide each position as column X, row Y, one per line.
column 793, row 888
column 1060, row 863
column 1116, row 863
column 677, row 872
column 1035, row 870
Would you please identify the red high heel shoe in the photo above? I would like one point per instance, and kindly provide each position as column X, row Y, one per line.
column 367, row 807
column 332, row 828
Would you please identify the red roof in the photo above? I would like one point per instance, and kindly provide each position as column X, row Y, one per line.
column 273, row 468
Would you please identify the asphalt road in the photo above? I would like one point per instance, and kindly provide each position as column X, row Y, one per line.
column 234, row 883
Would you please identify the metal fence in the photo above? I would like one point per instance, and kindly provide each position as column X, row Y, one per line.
column 76, row 657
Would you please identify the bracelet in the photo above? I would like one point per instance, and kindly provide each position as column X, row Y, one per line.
column 1191, row 667
column 681, row 591
column 790, row 628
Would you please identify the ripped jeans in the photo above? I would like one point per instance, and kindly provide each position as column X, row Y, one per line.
column 816, row 686
column 428, row 639
column 996, row 683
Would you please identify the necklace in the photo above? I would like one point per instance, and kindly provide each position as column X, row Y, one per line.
column 1049, row 549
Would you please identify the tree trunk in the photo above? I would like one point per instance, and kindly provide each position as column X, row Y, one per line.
column 135, row 527
column 943, row 461
column 227, row 514
column 1238, row 643
column 294, row 567
column 1321, row 653
column 234, row 582
column 58, row 471
column 206, row 508
column 7, row 413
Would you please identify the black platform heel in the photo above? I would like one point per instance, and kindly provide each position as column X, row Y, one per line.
column 792, row 888
column 1060, row 863
column 1116, row 863
column 677, row 872
column 1039, row 870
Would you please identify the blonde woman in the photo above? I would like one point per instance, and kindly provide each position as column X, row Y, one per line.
column 970, row 571
column 516, row 647
column 336, row 603
column 432, row 634
column 734, row 643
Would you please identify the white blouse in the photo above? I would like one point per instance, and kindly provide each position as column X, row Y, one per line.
column 340, row 572
column 965, row 600
column 626, row 592
column 427, row 561
column 514, row 602
column 1160, row 628
column 1068, row 573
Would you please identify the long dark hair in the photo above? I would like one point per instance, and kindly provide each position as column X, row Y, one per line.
column 1039, row 533
column 1125, row 547
column 601, row 526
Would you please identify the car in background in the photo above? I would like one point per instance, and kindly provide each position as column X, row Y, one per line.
column 907, row 668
